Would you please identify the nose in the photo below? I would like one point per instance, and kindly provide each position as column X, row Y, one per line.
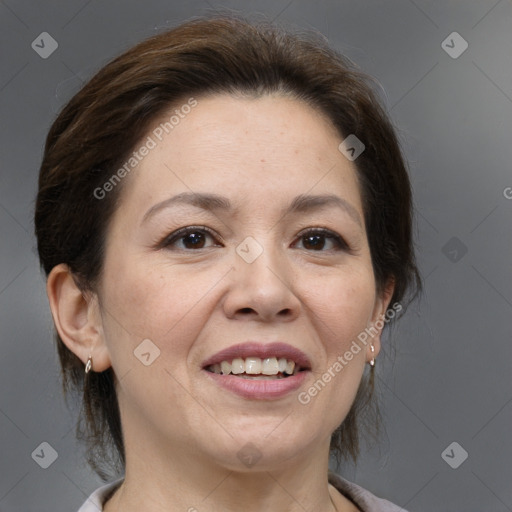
column 263, row 290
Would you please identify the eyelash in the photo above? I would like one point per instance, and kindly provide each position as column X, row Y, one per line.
column 181, row 233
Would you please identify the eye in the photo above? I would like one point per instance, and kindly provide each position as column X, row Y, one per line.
column 192, row 237
column 315, row 239
column 195, row 237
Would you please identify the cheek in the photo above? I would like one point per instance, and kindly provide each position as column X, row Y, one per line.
column 341, row 308
column 163, row 304
column 157, row 312
column 341, row 305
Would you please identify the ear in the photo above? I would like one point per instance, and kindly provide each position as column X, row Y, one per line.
column 77, row 318
column 382, row 301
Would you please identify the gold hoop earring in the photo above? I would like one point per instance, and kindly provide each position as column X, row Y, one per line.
column 372, row 360
column 88, row 365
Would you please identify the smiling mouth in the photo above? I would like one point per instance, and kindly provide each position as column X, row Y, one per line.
column 255, row 368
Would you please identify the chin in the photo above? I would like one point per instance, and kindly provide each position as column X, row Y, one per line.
column 261, row 447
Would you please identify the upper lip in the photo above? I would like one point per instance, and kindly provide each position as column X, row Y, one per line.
column 261, row 350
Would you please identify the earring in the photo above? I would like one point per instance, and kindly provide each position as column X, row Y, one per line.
column 372, row 360
column 88, row 365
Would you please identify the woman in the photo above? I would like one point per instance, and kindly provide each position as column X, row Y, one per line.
column 224, row 217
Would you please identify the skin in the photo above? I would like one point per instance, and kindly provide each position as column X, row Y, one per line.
column 182, row 432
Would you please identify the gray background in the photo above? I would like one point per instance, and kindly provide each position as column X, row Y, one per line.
column 450, row 379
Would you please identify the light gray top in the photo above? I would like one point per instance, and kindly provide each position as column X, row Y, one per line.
column 362, row 498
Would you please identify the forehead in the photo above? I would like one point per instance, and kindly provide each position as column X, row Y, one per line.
column 250, row 126
column 264, row 147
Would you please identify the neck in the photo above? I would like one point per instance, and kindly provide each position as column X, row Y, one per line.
column 177, row 479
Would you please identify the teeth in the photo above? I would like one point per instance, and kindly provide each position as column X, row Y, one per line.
column 252, row 365
column 237, row 366
column 225, row 367
column 262, row 377
column 270, row 366
column 267, row 368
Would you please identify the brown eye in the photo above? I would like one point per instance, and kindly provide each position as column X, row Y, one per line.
column 189, row 238
column 318, row 239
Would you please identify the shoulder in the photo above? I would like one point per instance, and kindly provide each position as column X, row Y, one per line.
column 364, row 499
column 95, row 501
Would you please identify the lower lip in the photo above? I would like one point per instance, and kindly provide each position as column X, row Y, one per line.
column 259, row 389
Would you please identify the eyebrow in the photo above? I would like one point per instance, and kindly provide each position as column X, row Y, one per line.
column 212, row 202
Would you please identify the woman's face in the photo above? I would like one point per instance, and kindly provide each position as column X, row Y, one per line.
column 254, row 274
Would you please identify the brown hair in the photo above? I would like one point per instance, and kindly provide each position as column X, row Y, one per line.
column 102, row 123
